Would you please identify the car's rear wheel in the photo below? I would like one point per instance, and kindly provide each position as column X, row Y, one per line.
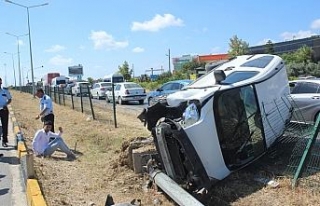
column 149, row 101
column 120, row 101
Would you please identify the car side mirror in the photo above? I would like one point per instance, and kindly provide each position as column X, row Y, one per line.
column 159, row 90
column 292, row 84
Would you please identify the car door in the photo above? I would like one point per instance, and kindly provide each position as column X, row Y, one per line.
column 306, row 100
column 93, row 90
column 167, row 89
column 117, row 89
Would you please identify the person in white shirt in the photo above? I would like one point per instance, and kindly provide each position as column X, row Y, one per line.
column 45, row 142
column 5, row 99
column 46, row 108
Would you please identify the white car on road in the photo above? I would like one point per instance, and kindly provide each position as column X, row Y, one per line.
column 127, row 91
column 81, row 89
column 99, row 89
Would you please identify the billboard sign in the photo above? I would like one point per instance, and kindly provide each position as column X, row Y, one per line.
column 75, row 70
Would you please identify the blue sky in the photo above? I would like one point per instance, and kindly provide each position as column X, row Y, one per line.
column 102, row 34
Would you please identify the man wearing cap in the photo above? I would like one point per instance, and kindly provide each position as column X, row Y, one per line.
column 5, row 99
column 46, row 108
column 45, row 142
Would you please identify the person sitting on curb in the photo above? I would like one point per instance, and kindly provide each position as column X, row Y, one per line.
column 45, row 142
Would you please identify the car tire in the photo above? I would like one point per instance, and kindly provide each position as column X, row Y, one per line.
column 120, row 100
column 98, row 97
column 316, row 116
column 149, row 101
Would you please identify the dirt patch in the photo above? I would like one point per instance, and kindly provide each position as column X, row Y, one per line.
column 98, row 170
column 103, row 166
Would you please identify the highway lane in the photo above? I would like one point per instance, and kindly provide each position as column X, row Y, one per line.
column 133, row 107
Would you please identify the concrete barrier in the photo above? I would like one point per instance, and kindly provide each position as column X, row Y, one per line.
column 34, row 194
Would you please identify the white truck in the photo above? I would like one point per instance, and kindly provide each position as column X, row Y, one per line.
column 60, row 81
column 221, row 122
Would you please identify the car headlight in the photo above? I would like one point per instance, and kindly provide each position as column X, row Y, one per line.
column 190, row 115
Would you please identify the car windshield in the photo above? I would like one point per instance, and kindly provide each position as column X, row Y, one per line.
column 238, row 76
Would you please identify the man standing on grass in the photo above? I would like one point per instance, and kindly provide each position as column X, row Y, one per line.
column 45, row 142
column 5, row 100
column 46, row 108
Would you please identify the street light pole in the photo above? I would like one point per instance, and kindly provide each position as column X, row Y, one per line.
column 18, row 43
column 169, row 60
column 30, row 70
column 14, row 70
column 30, row 47
column 5, row 75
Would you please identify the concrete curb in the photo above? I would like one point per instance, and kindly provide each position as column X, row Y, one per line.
column 34, row 194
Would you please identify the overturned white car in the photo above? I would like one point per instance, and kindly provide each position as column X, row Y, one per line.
column 221, row 122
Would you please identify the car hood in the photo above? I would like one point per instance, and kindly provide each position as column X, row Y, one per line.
column 200, row 94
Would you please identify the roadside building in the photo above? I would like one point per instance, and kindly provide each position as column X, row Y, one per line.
column 291, row 46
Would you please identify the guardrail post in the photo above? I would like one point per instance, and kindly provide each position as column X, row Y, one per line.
column 114, row 107
column 90, row 100
column 81, row 100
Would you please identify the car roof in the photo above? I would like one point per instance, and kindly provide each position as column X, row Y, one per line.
column 306, row 80
column 180, row 81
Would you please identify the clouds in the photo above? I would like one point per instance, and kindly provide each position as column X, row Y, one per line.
column 302, row 34
column 138, row 50
column 59, row 60
column 296, row 35
column 55, row 48
column 315, row 24
column 103, row 40
column 157, row 23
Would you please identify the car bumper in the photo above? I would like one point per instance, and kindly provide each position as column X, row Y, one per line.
column 134, row 98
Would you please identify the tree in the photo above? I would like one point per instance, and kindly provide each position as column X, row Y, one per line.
column 125, row 71
column 269, row 47
column 237, row 47
column 90, row 80
column 303, row 54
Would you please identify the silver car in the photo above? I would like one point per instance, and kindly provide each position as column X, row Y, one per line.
column 99, row 89
column 160, row 94
column 126, row 92
column 305, row 96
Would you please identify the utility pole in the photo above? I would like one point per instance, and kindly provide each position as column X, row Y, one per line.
column 133, row 71
column 169, row 61
column 5, row 75
column 169, row 58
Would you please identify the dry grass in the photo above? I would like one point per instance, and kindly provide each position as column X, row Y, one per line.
column 97, row 171
column 94, row 174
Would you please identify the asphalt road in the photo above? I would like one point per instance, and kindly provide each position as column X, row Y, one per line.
column 12, row 188
column 133, row 107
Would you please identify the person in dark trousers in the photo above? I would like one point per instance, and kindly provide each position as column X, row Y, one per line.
column 46, row 108
column 5, row 99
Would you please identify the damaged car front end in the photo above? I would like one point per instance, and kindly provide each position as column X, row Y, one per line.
column 221, row 122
